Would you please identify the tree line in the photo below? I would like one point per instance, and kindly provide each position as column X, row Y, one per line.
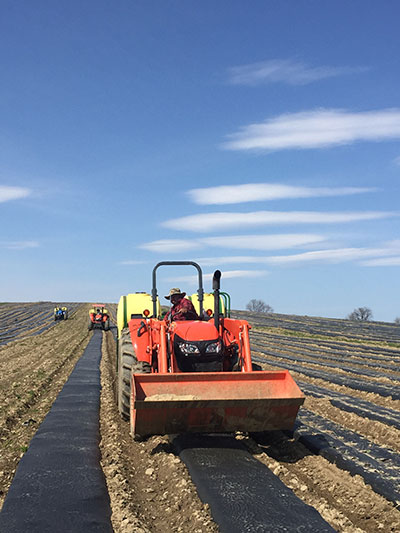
column 359, row 314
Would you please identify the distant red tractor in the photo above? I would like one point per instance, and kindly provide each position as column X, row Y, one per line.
column 99, row 317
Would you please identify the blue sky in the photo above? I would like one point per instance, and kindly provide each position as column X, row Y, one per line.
column 259, row 138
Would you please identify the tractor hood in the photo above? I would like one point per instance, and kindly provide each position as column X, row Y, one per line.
column 196, row 330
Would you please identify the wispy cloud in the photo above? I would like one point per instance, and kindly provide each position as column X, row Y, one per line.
column 285, row 71
column 255, row 192
column 18, row 245
column 316, row 129
column 386, row 255
column 249, row 242
column 221, row 221
column 13, row 193
column 339, row 255
column 263, row 242
column 170, row 245
column 231, row 260
column 226, row 274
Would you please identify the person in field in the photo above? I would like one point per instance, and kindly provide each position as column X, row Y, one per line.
column 182, row 308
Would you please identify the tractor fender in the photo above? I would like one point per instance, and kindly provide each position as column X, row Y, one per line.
column 141, row 339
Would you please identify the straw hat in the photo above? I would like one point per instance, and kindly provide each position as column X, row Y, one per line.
column 174, row 291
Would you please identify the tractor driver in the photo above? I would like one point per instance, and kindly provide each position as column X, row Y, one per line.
column 182, row 308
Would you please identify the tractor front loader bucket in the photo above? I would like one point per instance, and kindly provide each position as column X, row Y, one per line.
column 210, row 402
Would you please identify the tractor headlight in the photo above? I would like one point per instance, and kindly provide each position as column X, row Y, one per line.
column 187, row 348
column 214, row 347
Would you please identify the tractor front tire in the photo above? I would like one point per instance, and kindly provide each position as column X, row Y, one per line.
column 127, row 364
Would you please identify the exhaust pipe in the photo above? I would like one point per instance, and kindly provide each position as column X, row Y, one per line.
column 216, row 287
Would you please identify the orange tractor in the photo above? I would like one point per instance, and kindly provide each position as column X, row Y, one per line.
column 196, row 376
column 99, row 317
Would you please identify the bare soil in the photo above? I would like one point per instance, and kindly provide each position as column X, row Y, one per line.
column 33, row 370
column 150, row 488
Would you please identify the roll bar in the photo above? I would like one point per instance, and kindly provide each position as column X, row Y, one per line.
column 200, row 290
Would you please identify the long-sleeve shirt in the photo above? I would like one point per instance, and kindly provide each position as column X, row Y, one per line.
column 183, row 310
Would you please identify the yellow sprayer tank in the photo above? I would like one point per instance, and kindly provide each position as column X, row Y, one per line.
column 132, row 306
column 208, row 302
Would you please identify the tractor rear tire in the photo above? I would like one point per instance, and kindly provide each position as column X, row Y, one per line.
column 107, row 325
column 127, row 364
column 90, row 325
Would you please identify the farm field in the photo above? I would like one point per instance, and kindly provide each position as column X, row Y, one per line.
column 342, row 459
column 19, row 320
column 36, row 358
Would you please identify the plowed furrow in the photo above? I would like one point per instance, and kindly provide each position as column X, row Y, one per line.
column 331, row 377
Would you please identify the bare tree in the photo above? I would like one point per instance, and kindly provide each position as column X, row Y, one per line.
column 362, row 314
column 397, row 321
column 258, row 306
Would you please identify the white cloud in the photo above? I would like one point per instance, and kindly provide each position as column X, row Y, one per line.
column 285, row 71
column 255, row 192
column 18, row 245
column 316, row 129
column 339, row 255
column 387, row 255
column 326, row 256
column 13, row 193
column 251, row 242
column 170, row 245
column 221, row 221
column 212, row 261
column 263, row 242
column 228, row 274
